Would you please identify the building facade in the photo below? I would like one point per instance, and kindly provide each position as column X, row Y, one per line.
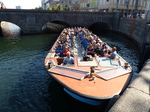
column 122, row 5
column 72, row 4
column 18, row 7
column 47, row 3
column 99, row 5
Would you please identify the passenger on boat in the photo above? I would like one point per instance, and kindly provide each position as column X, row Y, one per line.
column 99, row 41
column 61, row 39
column 73, row 50
column 65, row 37
column 76, row 31
column 97, row 50
column 106, row 53
column 65, row 50
column 94, row 44
column 58, row 44
column 66, row 44
column 113, row 54
column 106, row 46
column 90, row 50
column 72, row 36
column 90, row 38
column 59, row 49
column 95, row 37
column 68, row 60
column 102, row 51
column 80, row 34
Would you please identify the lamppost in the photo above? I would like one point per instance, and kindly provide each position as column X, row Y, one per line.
column 117, row 6
column 127, row 5
column 135, row 9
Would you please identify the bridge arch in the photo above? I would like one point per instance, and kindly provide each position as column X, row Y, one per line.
column 55, row 26
column 100, row 26
column 61, row 23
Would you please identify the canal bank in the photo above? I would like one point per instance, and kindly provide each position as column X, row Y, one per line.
column 136, row 97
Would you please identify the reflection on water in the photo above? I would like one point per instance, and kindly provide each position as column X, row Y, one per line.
column 25, row 86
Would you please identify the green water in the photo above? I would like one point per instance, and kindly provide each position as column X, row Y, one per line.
column 22, row 71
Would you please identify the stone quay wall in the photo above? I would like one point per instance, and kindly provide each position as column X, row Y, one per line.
column 139, row 31
column 136, row 97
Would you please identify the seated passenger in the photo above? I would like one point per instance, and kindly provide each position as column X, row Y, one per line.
column 94, row 44
column 59, row 48
column 103, row 49
column 106, row 54
column 73, row 50
column 68, row 60
column 106, row 46
column 66, row 49
column 90, row 50
column 113, row 53
column 97, row 50
column 73, row 37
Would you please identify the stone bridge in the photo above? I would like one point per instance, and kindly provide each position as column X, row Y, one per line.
column 32, row 21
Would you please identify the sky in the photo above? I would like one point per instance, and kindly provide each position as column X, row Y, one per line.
column 25, row 4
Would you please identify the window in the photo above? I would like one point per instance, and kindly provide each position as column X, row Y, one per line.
column 144, row 3
column 134, row 2
column 123, row 2
column 104, row 1
column 141, row 3
column 119, row 2
column 101, row 2
column 130, row 2
column 115, row 1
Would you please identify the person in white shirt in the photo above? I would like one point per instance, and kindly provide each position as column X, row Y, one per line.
column 68, row 60
column 73, row 50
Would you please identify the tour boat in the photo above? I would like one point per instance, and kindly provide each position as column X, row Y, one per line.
column 111, row 75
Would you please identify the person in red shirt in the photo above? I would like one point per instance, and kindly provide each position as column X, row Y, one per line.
column 66, row 49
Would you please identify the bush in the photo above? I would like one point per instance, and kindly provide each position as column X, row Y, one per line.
column 55, row 8
column 48, row 8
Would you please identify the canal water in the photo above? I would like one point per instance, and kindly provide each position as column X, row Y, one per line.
column 25, row 86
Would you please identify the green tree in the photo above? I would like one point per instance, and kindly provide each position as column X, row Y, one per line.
column 48, row 8
column 55, row 8
column 59, row 7
column 66, row 8
column 39, row 8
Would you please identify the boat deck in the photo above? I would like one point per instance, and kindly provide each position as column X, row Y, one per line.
column 103, row 87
